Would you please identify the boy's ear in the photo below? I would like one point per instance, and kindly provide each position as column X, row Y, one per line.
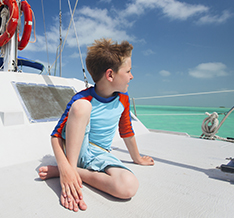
column 109, row 75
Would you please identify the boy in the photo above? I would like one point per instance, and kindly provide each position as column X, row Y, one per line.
column 88, row 126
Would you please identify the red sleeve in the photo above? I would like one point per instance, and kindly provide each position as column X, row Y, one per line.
column 57, row 132
column 125, row 123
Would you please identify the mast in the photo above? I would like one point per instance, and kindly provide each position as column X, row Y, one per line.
column 10, row 51
column 10, row 57
column 60, row 39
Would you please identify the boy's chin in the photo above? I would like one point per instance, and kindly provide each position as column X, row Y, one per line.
column 125, row 90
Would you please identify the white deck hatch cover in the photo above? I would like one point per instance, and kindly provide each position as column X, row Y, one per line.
column 42, row 102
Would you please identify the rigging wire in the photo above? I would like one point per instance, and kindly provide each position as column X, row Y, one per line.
column 60, row 38
column 65, row 39
column 77, row 41
column 188, row 94
column 45, row 36
column 170, row 114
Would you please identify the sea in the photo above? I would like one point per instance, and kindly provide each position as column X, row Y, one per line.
column 183, row 119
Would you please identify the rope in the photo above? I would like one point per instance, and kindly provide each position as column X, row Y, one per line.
column 4, row 15
column 34, row 28
column 8, row 34
column 210, row 126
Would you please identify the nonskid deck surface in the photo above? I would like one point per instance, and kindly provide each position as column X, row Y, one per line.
column 184, row 182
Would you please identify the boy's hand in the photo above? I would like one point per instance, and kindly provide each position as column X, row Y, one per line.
column 145, row 160
column 71, row 184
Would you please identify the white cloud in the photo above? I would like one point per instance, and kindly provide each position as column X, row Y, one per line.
column 171, row 8
column 148, row 52
column 40, row 44
column 77, row 55
column 164, row 73
column 52, row 36
column 209, row 70
column 105, row 1
column 180, row 10
column 209, row 19
column 94, row 23
column 176, row 10
column 91, row 24
column 97, row 23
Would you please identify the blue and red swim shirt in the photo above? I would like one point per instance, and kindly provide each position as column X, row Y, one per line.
column 107, row 114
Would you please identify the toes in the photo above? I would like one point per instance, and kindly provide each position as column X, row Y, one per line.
column 69, row 204
column 82, row 205
column 42, row 175
column 64, row 201
column 43, row 169
column 75, row 206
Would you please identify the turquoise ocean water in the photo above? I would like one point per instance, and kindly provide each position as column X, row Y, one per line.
column 182, row 119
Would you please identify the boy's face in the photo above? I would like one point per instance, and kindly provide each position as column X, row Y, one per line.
column 123, row 76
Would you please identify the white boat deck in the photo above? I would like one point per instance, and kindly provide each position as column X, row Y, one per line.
column 184, row 181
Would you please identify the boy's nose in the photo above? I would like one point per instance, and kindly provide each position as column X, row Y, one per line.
column 131, row 76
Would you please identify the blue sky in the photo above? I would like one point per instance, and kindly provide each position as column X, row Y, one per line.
column 180, row 46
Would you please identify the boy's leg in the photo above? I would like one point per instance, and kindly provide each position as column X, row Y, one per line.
column 47, row 172
column 78, row 119
column 117, row 181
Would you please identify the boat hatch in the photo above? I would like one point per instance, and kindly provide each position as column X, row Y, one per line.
column 42, row 102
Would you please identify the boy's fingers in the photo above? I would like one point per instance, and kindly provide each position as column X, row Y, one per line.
column 146, row 160
column 63, row 191
column 150, row 160
column 68, row 193
column 80, row 194
column 74, row 192
column 80, row 182
column 77, row 193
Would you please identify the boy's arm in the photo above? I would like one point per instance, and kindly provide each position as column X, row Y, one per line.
column 75, row 130
column 69, row 178
column 131, row 144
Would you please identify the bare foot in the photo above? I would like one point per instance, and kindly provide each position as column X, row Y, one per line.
column 47, row 172
column 82, row 205
column 72, row 205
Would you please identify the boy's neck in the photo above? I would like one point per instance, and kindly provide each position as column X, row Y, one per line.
column 103, row 91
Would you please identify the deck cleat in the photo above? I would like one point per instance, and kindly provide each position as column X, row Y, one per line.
column 228, row 168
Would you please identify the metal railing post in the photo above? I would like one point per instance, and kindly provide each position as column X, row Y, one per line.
column 134, row 106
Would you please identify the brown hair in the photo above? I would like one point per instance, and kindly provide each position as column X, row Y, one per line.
column 105, row 54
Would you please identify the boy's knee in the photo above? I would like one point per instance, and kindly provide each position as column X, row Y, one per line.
column 129, row 186
column 133, row 185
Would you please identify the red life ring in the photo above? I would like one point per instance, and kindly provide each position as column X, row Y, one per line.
column 25, row 7
column 12, row 23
